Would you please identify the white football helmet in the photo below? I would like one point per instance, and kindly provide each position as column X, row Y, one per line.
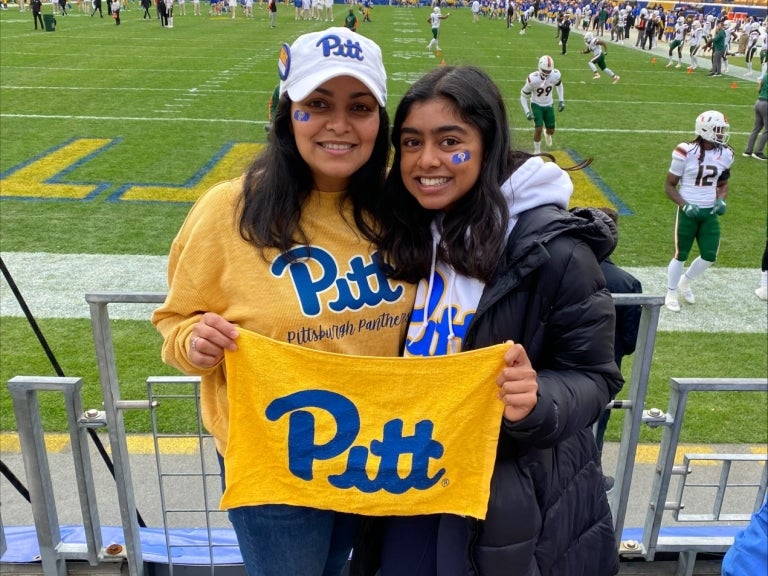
column 588, row 37
column 436, row 10
column 695, row 24
column 546, row 65
column 680, row 20
column 713, row 127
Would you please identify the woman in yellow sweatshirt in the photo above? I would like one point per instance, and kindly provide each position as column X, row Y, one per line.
column 288, row 251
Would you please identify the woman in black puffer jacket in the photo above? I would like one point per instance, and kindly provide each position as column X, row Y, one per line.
column 507, row 257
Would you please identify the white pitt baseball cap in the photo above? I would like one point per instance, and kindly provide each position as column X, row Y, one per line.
column 317, row 57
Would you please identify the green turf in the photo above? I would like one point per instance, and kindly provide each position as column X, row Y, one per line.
column 168, row 103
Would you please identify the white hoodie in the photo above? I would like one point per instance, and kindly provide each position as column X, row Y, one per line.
column 453, row 298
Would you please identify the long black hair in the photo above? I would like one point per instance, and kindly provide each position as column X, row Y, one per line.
column 474, row 230
column 279, row 181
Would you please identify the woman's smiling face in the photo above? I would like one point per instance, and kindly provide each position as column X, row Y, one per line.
column 440, row 154
column 335, row 128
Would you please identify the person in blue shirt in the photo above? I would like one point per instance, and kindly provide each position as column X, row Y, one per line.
column 749, row 553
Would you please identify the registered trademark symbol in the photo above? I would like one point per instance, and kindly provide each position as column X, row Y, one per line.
column 445, row 482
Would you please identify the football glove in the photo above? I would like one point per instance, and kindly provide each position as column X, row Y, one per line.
column 690, row 210
column 529, row 115
column 560, row 106
column 719, row 207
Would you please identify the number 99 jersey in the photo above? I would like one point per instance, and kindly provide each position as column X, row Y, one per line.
column 539, row 87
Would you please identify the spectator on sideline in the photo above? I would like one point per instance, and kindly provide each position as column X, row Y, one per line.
column 718, row 50
column 761, row 122
column 37, row 6
column 350, row 21
column 565, row 30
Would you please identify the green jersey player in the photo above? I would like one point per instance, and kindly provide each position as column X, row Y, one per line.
column 697, row 182
column 538, row 89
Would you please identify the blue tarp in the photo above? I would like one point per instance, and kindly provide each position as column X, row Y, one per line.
column 189, row 547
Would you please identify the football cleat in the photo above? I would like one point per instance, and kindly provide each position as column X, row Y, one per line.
column 670, row 301
column 684, row 287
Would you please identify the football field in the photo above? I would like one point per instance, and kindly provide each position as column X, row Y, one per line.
column 109, row 133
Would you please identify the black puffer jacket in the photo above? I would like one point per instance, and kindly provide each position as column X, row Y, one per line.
column 547, row 491
column 548, row 513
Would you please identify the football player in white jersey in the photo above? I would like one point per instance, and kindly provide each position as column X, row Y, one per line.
column 697, row 32
column 677, row 42
column 538, row 89
column 753, row 36
column 599, row 49
column 730, row 35
column 697, row 182
column 434, row 21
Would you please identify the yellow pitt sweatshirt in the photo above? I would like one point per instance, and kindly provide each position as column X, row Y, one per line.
column 336, row 298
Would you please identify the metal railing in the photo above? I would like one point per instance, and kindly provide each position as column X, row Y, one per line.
column 53, row 552
column 665, row 469
column 162, row 389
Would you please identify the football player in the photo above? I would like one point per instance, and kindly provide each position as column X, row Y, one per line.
column 697, row 182
column 434, row 23
column 697, row 32
column 599, row 50
column 538, row 89
column 753, row 36
column 679, row 37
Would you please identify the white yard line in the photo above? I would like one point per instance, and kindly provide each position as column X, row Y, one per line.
column 54, row 286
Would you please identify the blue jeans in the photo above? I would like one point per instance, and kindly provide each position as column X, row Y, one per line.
column 292, row 540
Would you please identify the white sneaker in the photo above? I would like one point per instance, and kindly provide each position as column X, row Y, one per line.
column 596, row 75
column 548, row 139
column 670, row 301
column 668, row 65
column 762, row 292
column 678, row 65
column 684, row 286
column 615, row 79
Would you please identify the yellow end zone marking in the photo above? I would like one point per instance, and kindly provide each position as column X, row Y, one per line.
column 585, row 191
column 231, row 165
column 41, row 178
column 54, row 443
column 38, row 178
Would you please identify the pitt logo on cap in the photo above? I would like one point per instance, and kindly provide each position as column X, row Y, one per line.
column 333, row 46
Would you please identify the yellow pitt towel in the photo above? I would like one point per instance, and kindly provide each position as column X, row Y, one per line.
column 367, row 435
